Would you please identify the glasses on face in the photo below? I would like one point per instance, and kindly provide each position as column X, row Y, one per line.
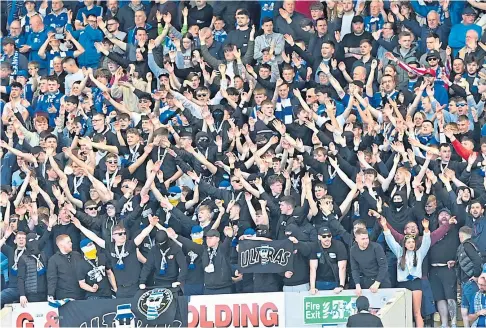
column 431, row 59
column 110, row 207
column 461, row 104
column 326, row 236
column 91, row 208
column 409, row 237
column 121, row 233
column 112, row 162
column 201, row 95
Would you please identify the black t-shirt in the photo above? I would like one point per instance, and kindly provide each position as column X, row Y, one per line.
column 94, row 272
column 108, row 179
column 130, row 156
column 129, row 274
column 337, row 252
column 168, row 162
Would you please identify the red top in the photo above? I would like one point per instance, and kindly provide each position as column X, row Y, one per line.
column 461, row 151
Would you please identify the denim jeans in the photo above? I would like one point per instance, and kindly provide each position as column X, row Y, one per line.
column 297, row 288
column 469, row 289
column 8, row 296
column 326, row 285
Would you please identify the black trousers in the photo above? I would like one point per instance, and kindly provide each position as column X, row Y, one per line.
column 127, row 291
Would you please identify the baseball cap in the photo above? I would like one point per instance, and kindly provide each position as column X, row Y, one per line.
column 357, row 19
column 469, row 11
column 433, row 53
column 429, row 71
column 445, row 209
column 324, row 231
column 23, row 73
column 212, row 233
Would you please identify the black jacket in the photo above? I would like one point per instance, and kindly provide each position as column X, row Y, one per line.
column 221, row 277
column 364, row 319
column 62, row 281
column 176, row 266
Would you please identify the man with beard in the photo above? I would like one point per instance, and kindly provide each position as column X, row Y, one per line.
column 442, row 278
column 327, row 263
column 166, row 262
column 351, row 42
column 94, row 273
column 476, row 221
column 477, row 308
column 61, row 282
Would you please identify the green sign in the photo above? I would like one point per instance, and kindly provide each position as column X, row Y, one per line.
column 328, row 310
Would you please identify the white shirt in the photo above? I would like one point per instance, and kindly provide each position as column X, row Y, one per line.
column 70, row 79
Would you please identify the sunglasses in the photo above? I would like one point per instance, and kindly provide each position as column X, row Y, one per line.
column 201, row 95
column 120, row 233
column 91, row 208
column 326, row 236
column 431, row 58
column 461, row 104
column 112, row 162
column 409, row 237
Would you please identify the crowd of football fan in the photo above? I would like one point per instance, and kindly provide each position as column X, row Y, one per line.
column 141, row 141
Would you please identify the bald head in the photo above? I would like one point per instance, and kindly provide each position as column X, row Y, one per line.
column 36, row 23
column 359, row 73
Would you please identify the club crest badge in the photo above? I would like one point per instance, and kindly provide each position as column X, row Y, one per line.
column 155, row 302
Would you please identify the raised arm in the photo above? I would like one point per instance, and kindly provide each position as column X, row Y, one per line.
column 89, row 234
column 145, row 232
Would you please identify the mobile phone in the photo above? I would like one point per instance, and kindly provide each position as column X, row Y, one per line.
column 59, row 36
